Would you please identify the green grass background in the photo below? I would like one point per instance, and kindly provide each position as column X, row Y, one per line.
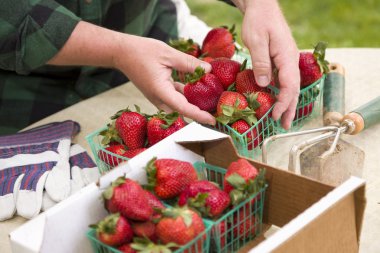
column 341, row 23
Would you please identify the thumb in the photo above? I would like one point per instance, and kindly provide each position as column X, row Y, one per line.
column 261, row 62
column 187, row 63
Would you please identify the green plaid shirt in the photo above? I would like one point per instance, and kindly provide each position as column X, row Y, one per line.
column 33, row 31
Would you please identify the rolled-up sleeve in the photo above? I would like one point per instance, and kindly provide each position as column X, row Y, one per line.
column 32, row 32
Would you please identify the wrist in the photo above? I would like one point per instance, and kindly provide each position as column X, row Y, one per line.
column 243, row 5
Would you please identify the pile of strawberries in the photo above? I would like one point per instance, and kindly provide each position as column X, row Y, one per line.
column 229, row 91
column 132, row 132
column 140, row 221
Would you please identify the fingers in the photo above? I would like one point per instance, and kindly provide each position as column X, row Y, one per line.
column 186, row 63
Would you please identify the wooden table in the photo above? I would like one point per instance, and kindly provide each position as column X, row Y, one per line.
column 362, row 85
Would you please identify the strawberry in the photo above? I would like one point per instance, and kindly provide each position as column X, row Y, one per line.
column 133, row 152
column 161, row 125
column 304, row 111
column 110, row 159
column 131, row 127
column 153, row 201
column 219, row 42
column 226, row 70
column 114, row 230
column 169, row 177
column 187, row 46
column 211, row 204
column 241, row 126
column 233, row 106
column 199, row 186
column 261, row 102
column 246, row 83
column 313, row 65
column 245, row 224
column 203, row 90
column 221, row 229
column 145, row 229
column 207, row 59
column 126, row 248
column 179, row 225
column 128, row 198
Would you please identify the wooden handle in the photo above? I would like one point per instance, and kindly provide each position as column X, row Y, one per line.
column 365, row 116
column 334, row 95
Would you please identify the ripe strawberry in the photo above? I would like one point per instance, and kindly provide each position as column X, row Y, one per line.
column 304, row 111
column 207, row 59
column 133, row 152
column 211, row 204
column 187, row 46
column 313, row 65
column 110, row 159
column 246, row 83
column 261, row 102
column 131, row 127
column 161, row 125
column 128, row 198
column 126, row 248
column 153, row 201
column 179, row 225
column 114, row 230
column 192, row 190
column 241, row 126
column 233, row 106
column 221, row 229
column 203, row 90
column 226, row 70
column 246, row 223
column 169, row 177
column 145, row 229
column 219, row 42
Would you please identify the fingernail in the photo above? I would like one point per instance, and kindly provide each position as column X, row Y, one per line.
column 263, row 80
column 206, row 66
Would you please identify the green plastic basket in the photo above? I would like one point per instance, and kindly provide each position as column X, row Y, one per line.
column 238, row 229
column 191, row 247
column 249, row 143
column 104, row 159
column 309, row 105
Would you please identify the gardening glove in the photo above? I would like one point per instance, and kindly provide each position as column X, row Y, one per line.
column 32, row 160
column 83, row 172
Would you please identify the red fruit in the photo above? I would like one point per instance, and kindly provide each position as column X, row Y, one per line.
column 161, row 125
column 145, row 229
column 216, row 202
column 128, row 198
column 245, row 224
column 179, row 225
column 114, row 230
column 153, row 201
column 131, row 127
column 194, row 188
column 226, row 70
column 169, row 177
column 230, row 98
column 133, row 152
column 261, row 102
column 241, row 168
column 126, row 248
column 241, row 126
column 221, row 230
column 207, row 59
column 304, row 111
column 203, row 90
column 246, row 83
column 187, row 46
column 313, row 65
column 110, row 159
column 219, row 42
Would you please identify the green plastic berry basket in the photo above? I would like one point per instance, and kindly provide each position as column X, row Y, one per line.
column 241, row 224
column 309, row 105
column 200, row 244
column 104, row 159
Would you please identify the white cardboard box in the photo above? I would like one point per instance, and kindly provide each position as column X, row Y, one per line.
column 313, row 217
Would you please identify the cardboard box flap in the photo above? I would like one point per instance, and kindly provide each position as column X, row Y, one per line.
column 329, row 225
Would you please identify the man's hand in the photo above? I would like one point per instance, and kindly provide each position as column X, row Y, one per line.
column 267, row 36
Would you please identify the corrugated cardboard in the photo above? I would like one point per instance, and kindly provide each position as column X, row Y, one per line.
column 313, row 216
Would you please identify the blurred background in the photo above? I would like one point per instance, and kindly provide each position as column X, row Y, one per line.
column 347, row 23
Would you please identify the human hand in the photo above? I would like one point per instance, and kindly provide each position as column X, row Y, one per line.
column 148, row 63
column 267, row 36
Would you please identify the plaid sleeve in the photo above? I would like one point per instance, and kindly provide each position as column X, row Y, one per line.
column 32, row 32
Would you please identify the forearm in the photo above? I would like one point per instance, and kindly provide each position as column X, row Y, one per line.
column 89, row 45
